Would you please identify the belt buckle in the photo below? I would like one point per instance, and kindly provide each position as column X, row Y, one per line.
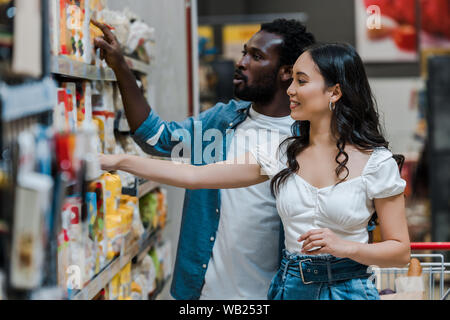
column 301, row 271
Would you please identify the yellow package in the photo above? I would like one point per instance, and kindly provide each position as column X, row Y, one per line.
column 126, row 213
column 112, row 193
column 114, row 287
column 125, row 276
column 100, row 121
column 125, row 283
column 136, row 228
column 112, row 226
column 97, row 225
column 162, row 209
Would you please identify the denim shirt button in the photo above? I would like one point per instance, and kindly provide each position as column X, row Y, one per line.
column 212, row 238
column 316, row 271
column 204, row 266
column 308, row 270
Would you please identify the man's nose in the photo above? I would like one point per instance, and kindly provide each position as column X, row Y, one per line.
column 242, row 63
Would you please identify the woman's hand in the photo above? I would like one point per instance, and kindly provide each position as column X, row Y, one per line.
column 110, row 162
column 328, row 242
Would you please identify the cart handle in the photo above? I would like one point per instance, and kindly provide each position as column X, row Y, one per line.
column 430, row 245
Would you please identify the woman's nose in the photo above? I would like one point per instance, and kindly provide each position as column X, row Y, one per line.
column 290, row 91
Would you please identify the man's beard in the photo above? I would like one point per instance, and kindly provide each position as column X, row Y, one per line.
column 262, row 92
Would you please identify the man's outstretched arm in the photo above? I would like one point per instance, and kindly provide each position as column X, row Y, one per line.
column 136, row 107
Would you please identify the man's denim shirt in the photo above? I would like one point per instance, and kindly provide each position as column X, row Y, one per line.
column 201, row 209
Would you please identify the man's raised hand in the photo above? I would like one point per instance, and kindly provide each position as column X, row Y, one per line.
column 110, row 50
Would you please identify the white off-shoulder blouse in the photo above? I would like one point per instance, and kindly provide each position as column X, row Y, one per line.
column 345, row 208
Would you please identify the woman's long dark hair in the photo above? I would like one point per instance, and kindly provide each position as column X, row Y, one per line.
column 355, row 116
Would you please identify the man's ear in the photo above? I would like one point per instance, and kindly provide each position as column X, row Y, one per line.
column 285, row 73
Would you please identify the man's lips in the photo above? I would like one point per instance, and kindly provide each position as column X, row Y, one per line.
column 238, row 78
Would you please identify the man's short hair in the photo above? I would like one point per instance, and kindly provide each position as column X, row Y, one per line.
column 295, row 38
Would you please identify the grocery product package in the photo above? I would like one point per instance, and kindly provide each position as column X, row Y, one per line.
column 126, row 210
column 75, row 265
column 113, row 219
column 27, row 54
column 97, row 224
column 65, row 144
column 108, row 104
column 71, row 104
column 54, row 26
column 137, row 228
column 28, row 241
column 141, row 41
column 60, row 116
column 162, row 208
column 148, row 206
column 113, row 288
column 165, row 257
column 119, row 23
column 70, row 249
column 409, row 287
column 125, row 283
column 87, row 142
column 158, row 272
column 143, row 279
column 89, row 235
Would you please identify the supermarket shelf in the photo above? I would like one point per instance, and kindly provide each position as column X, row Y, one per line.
column 27, row 99
column 146, row 187
column 105, row 276
column 67, row 67
column 140, row 189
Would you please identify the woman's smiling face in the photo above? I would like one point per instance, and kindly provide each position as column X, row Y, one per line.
column 308, row 94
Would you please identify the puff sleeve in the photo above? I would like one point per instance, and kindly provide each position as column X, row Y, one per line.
column 383, row 177
column 270, row 157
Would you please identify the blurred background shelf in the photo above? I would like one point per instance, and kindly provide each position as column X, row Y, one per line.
column 20, row 101
column 70, row 68
column 67, row 67
column 146, row 187
column 137, row 249
column 141, row 188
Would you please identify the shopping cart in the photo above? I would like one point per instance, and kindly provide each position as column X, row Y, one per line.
column 434, row 271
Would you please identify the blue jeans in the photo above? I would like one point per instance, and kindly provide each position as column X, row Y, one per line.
column 321, row 278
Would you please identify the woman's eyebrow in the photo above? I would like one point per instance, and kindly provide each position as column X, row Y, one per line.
column 300, row 73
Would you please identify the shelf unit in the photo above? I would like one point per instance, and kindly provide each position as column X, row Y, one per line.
column 138, row 249
column 67, row 67
column 146, row 187
column 36, row 97
column 27, row 99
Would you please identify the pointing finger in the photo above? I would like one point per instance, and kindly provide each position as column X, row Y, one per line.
column 109, row 36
